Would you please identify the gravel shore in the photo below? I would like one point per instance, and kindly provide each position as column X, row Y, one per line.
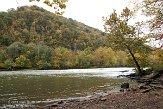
column 147, row 96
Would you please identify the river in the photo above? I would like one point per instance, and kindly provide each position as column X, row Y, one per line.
column 29, row 87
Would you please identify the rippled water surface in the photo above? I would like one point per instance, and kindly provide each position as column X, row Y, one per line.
column 21, row 88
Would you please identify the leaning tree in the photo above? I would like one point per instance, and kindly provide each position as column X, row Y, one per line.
column 124, row 36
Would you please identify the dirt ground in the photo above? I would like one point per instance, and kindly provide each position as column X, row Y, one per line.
column 129, row 100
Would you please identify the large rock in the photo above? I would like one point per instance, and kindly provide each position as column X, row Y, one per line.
column 125, row 85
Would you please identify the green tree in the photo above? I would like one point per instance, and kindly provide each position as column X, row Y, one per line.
column 42, row 64
column 122, row 35
column 3, row 56
column 16, row 49
column 43, row 52
column 8, row 64
column 5, row 40
column 83, row 58
column 122, row 58
column 156, row 59
column 31, row 53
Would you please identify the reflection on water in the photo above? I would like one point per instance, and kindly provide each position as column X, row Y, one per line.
column 21, row 89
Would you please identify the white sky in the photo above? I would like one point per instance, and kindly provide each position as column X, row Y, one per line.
column 89, row 12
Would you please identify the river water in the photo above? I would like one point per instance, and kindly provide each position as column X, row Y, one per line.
column 28, row 87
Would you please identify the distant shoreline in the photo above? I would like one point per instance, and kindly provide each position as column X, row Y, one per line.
column 63, row 68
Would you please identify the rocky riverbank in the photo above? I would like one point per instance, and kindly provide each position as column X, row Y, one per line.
column 148, row 95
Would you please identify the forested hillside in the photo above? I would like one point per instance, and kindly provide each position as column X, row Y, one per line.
column 31, row 37
column 36, row 25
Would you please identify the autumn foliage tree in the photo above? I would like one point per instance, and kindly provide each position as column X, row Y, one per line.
column 123, row 36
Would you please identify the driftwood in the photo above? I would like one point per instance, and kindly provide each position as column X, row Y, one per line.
column 147, row 90
column 155, row 75
column 152, row 81
column 156, row 86
column 149, row 82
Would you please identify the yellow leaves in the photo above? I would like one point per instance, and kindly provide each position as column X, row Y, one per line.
column 143, row 59
column 137, row 55
column 83, row 58
column 22, row 62
column 2, row 65
column 104, row 56
column 62, row 58
column 156, row 59
column 121, row 58
column 158, row 55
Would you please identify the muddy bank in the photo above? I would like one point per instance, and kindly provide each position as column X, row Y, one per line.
column 148, row 95
column 127, row 100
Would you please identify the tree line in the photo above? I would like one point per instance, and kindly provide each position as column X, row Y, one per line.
column 23, row 56
column 33, row 38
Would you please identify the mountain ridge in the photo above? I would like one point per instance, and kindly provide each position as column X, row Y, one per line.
column 35, row 22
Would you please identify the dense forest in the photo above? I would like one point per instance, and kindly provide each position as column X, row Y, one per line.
column 31, row 37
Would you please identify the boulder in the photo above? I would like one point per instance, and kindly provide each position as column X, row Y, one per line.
column 60, row 102
column 125, row 85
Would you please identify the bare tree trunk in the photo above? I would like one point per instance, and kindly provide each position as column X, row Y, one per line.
column 135, row 61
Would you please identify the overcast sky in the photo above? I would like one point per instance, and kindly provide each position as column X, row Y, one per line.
column 89, row 12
